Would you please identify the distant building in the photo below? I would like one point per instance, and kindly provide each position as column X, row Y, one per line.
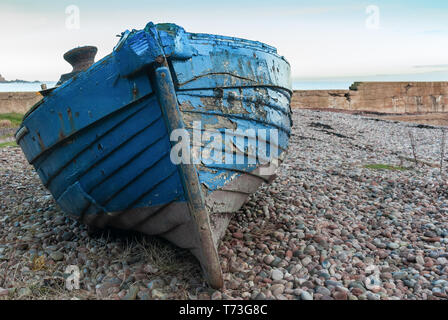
column 2, row 79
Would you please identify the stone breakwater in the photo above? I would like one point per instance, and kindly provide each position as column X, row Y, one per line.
column 18, row 102
column 327, row 228
column 382, row 97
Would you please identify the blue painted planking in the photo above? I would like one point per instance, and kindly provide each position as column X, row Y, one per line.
column 85, row 139
column 126, row 132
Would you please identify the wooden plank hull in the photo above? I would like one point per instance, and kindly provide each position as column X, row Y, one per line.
column 102, row 142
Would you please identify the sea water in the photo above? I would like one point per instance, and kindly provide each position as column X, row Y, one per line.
column 25, row 86
column 321, row 85
column 297, row 85
column 318, row 84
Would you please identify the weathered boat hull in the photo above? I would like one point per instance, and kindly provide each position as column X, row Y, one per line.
column 101, row 141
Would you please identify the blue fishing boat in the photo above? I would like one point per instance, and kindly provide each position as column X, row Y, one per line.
column 115, row 143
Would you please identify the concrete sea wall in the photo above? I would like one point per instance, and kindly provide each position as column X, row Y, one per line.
column 383, row 97
column 19, row 102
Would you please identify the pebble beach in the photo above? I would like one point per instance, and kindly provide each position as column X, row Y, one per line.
column 356, row 213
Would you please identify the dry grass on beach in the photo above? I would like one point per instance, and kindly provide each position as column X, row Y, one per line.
column 9, row 122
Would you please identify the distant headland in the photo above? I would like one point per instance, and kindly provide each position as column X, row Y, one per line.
column 3, row 80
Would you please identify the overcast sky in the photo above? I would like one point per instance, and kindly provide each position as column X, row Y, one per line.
column 319, row 38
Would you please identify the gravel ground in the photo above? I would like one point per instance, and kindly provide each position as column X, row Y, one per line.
column 327, row 228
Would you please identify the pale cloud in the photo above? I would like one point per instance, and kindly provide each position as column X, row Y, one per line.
column 318, row 40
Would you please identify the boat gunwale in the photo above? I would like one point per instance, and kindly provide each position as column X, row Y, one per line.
column 241, row 41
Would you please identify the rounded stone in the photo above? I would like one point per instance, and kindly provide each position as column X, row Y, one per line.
column 276, row 275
